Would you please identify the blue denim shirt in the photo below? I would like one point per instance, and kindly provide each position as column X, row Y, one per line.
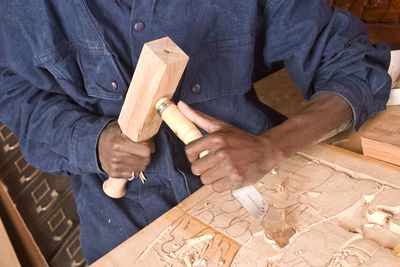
column 65, row 67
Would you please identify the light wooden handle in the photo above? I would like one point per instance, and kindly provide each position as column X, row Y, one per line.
column 179, row 124
column 114, row 187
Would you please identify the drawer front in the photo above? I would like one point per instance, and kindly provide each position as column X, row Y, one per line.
column 70, row 254
column 54, row 230
column 8, row 144
column 17, row 174
column 37, row 200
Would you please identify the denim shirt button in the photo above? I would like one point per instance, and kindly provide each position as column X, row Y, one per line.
column 196, row 88
column 114, row 85
column 139, row 26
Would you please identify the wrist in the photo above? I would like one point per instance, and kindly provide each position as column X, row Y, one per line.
column 275, row 150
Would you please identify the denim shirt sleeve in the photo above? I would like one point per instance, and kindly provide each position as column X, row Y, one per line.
column 328, row 50
column 55, row 134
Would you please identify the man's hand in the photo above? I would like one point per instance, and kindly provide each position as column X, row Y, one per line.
column 236, row 158
column 119, row 156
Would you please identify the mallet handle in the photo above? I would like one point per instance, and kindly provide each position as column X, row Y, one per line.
column 115, row 187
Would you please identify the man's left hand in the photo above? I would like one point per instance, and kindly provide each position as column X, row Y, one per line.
column 235, row 157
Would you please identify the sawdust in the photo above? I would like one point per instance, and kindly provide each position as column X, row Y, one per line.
column 343, row 219
column 258, row 251
column 191, row 253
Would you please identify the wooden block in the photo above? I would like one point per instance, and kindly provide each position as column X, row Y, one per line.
column 7, row 253
column 382, row 140
column 32, row 255
column 157, row 75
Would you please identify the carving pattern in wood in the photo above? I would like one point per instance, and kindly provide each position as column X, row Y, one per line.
column 345, row 209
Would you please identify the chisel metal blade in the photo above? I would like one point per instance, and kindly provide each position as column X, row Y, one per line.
column 252, row 201
column 271, row 219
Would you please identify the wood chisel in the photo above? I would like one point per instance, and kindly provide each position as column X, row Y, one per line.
column 272, row 219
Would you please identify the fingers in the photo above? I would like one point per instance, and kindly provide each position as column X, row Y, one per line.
column 211, row 142
column 124, row 144
column 119, row 156
column 207, row 123
column 221, row 185
column 212, row 175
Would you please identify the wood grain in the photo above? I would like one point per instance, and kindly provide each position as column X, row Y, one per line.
column 382, row 139
column 331, row 196
column 382, row 18
column 372, row 11
column 7, row 253
column 27, row 245
column 159, row 69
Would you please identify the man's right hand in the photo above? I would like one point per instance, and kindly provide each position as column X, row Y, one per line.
column 119, row 156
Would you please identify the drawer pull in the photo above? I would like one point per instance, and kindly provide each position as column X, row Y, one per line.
column 54, row 195
column 61, row 237
column 24, row 179
column 8, row 147
column 78, row 263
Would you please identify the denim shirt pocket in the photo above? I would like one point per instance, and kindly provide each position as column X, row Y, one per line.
column 219, row 68
column 66, row 43
column 85, row 73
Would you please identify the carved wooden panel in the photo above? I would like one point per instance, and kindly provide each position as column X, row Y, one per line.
column 372, row 11
column 344, row 206
column 381, row 16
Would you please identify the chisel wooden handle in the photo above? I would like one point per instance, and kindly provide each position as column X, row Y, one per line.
column 179, row 124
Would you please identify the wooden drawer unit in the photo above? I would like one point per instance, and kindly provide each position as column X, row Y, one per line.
column 51, row 234
column 18, row 174
column 70, row 254
column 37, row 200
column 8, row 144
column 40, row 203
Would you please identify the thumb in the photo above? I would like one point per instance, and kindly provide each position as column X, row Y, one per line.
column 207, row 123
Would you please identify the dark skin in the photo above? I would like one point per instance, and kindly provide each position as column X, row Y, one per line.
column 119, row 156
column 236, row 158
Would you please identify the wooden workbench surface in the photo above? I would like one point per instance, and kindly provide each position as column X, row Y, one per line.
column 382, row 139
column 344, row 206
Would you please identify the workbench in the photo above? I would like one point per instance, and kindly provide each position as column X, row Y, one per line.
column 344, row 206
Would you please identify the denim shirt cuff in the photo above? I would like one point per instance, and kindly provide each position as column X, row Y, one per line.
column 358, row 100
column 83, row 148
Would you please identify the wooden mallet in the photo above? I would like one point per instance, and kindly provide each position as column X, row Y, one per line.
column 157, row 74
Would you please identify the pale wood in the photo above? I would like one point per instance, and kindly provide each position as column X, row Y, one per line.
column 7, row 253
column 279, row 92
column 25, row 239
column 382, row 140
column 179, row 124
column 159, row 69
column 114, row 187
column 133, row 251
column 157, row 74
column 341, row 203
